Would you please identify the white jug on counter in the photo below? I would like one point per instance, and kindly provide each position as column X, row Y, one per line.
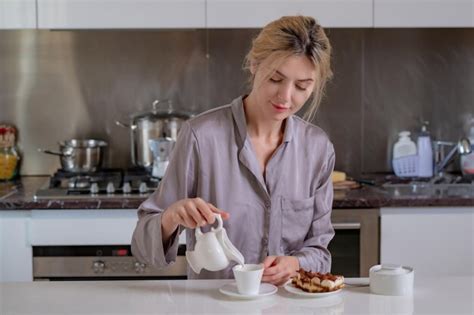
column 213, row 250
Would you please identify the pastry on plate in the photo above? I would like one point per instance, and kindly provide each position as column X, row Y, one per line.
column 315, row 282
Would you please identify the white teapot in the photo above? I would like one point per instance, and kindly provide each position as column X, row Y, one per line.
column 213, row 250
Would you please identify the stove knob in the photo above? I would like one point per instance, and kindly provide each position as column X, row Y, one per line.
column 143, row 188
column 98, row 266
column 110, row 188
column 94, row 189
column 127, row 189
column 139, row 267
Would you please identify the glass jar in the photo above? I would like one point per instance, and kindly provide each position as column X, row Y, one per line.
column 9, row 159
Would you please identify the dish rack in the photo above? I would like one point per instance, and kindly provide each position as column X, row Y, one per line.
column 406, row 166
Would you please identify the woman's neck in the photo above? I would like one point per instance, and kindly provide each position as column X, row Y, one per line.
column 259, row 126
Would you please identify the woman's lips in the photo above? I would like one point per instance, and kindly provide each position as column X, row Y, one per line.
column 280, row 108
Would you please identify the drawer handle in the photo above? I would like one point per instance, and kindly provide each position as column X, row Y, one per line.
column 346, row 226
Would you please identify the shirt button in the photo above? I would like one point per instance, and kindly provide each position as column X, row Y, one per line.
column 267, row 204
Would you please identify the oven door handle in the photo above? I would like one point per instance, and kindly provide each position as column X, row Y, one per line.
column 346, row 226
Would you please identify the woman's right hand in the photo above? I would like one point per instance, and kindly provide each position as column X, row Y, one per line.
column 190, row 213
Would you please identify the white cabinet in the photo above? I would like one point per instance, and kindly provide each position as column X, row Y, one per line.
column 16, row 263
column 423, row 13
column 257, row 13
column 120, row 14
column 435, row 241
column 17, row 14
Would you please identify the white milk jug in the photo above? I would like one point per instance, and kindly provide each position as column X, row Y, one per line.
column 213, row 250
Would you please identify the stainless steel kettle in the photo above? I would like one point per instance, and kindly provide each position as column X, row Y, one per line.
column 161, row 122
column 161, row 149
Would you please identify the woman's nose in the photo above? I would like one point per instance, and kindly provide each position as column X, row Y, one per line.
column 284, row 93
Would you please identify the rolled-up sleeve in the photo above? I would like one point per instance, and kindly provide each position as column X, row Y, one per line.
column 314, row 254
column 179, row 182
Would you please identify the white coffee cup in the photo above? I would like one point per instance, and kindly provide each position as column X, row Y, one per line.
column 248, row 278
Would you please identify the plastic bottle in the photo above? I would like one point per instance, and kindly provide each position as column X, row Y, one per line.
column 404, row 146
column 467, row 161
column 425, row 153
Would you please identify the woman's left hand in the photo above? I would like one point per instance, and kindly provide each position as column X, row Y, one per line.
column 279, row 269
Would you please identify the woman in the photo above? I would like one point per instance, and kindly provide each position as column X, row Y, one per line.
column 265, row 170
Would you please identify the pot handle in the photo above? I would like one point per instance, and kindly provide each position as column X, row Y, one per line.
column 54, row 153
column 121, row 124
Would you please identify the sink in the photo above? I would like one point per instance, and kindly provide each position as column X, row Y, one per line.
column 430, row 189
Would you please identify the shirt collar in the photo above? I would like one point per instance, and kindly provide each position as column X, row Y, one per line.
column 238, row 112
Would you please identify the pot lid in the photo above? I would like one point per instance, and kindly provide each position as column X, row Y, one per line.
column 83, row 143
column 161, row 109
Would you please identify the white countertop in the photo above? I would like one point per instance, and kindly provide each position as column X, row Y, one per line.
column 440, row 295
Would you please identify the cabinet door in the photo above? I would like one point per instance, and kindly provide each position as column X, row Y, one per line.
column 423, row 13
column 82, row 227
column 435, row 241
column 16, row 257
column 120, row 14
column 17, row 14
column 256, row 14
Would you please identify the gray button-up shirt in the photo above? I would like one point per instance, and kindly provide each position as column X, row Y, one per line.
column 286, row 213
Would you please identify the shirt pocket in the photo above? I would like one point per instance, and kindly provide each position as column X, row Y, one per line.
column 297, row 217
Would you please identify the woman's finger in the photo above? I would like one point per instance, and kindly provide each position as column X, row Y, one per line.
column 282, row 282
column 187, row 220
column 192, row 211
column 271, row 271
column 205, row 210
column 272, row 278
column 225, row 215
column 268, row 261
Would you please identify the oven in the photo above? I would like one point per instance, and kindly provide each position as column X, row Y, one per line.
column 355, row 246
column 91, row 244
column 82, row 263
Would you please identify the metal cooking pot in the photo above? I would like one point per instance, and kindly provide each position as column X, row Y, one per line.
column 163, row 122
column 80, row 155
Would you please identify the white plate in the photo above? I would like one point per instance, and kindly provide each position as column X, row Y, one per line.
column 230, row 289
column 290, row 288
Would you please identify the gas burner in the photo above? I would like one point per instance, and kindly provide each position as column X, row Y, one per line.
column 105, row 183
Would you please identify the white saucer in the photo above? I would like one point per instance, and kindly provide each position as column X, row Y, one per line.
column 230, row 289
column 290, row 288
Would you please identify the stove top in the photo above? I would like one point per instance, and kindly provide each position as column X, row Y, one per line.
column 105, row 183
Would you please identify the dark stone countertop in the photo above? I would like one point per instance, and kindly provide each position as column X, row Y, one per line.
column 18, row 195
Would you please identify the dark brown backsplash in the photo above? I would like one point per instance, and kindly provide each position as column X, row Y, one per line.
column 69, row 84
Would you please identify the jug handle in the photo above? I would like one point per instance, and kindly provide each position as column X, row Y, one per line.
column 199, row 233
column 219, row 223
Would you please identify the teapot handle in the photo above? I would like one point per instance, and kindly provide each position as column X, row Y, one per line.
column 199, row 233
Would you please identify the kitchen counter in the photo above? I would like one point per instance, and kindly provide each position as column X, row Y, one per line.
column 19, row 196
column 455, row 296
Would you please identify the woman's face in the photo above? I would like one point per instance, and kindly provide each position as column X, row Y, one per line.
column 287, row 90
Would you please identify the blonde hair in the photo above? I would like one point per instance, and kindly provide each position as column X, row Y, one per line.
column 288, row 36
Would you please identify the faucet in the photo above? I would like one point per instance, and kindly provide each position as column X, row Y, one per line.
column 463, row 146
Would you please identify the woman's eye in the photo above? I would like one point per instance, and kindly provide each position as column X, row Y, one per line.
column 275, row 80
column 300, row 88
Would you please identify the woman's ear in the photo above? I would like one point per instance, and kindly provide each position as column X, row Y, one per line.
column 253, row 67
